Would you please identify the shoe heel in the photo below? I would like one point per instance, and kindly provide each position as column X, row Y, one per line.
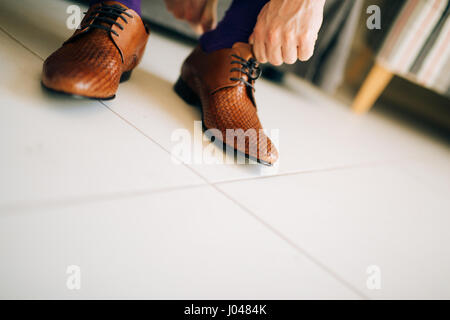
column 182, row 89
column 126, row 76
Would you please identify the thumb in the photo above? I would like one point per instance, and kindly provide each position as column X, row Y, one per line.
column 251, row 39
column 251, row 42
column 209, row 16
column 198, row 28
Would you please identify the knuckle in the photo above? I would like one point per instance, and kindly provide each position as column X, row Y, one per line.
column 307, row 50
column 289, row 37
column 257, row 48
column 308, row 42
column 272, row 36
column 261, row 57
column 312, row 36
column 258, row 32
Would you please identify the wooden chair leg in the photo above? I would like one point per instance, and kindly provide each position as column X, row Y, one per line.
column 358, row 65
column 375, row 83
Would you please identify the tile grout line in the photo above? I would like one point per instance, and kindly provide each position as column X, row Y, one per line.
column 101, row 198
column 152, row 140
column 24, row 208
column 294, row 245
column 312, row 171
column 20, row 43
column 344, row 167
column 256, row 217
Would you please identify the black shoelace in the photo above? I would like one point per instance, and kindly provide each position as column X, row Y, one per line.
column 107, row 17
column 248, row 67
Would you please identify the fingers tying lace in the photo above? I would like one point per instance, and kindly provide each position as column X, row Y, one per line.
column 106, row 16
column 248, row 67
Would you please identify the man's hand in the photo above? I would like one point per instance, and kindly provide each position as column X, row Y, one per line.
column 287, row 30
column 201, row 14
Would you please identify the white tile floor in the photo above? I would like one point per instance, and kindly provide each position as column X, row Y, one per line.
column 92, row 184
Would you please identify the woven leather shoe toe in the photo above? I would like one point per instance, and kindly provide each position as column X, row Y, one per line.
column 107, row 47
column 222, row 83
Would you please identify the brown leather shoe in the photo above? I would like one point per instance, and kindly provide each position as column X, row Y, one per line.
column 222, row 82
column 103, row 52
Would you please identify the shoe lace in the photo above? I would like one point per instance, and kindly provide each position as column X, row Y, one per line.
column 108, row 14
column 248, row 67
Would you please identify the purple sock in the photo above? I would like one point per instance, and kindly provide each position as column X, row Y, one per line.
column 236, row 26
column 132, row 4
